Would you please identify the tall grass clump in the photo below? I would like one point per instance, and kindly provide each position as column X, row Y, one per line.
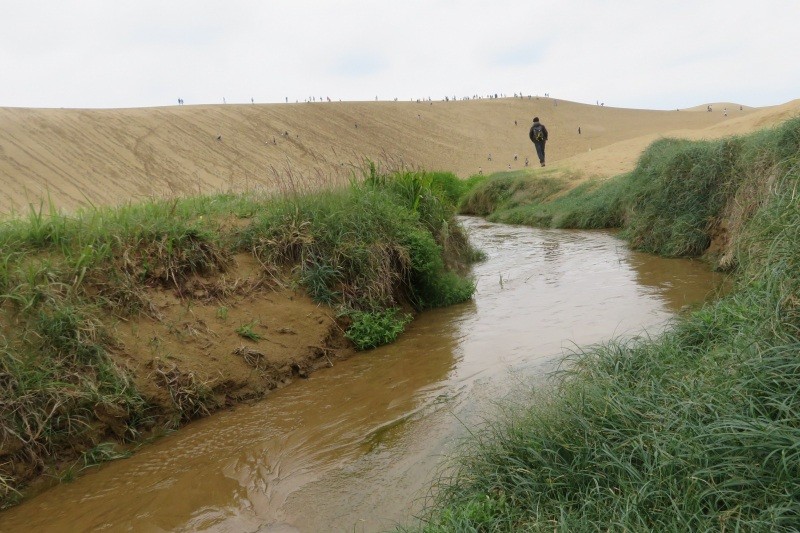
column 677, row 190
column 54, row 387
column 388, row 241
column 683, row 194
column 503, row 193
column 696, row 430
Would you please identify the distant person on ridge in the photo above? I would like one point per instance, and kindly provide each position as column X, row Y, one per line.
column 538, row 136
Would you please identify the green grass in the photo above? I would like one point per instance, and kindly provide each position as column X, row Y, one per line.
column 385, row 241
column 375, row 245
column 595, row 204
column 696, row 430
column 498, row 195
column 373, row 329
column 53, row 387
column 670, row 204
column 246, row 331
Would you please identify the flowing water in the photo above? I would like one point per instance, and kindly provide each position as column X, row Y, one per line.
column 357, row 446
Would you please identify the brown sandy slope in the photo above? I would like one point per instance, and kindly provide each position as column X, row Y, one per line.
column 192, row 344
column 106, row 157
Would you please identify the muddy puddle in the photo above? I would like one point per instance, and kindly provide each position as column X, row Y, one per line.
column 356, row 447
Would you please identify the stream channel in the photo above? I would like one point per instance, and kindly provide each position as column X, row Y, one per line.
column 356, row 447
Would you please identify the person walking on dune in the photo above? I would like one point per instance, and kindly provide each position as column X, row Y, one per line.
column 538, row 136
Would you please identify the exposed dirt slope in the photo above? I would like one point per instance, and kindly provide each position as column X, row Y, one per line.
column 192, row 346
column 107, row 157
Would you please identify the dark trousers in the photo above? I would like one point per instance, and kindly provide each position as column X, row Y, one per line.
column 540, row 150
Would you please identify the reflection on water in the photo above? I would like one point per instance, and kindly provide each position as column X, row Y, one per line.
column 354, row 447
column 687, row 284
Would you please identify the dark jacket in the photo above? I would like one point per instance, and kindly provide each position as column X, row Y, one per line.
column 544, row 131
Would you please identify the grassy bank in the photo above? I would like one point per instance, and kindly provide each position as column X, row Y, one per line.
column 696, row 430
column 372, row 252
column 683, row 199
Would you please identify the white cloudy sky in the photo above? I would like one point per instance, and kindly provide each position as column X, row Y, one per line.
column 632, row 53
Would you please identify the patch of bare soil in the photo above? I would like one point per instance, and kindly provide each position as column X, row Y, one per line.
column 230, row 340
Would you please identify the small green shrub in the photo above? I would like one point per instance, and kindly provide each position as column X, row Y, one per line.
column 376, row 328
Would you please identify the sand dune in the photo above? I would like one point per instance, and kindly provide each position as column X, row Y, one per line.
column 77, row 158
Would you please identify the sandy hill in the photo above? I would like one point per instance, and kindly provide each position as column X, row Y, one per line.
column 106, row 157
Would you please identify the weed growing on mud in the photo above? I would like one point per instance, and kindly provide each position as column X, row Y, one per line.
column 189, row 392
column 372, row 329
column 101, row 453
column 246, row 331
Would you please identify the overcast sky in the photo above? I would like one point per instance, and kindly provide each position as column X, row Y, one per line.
column 633, row 53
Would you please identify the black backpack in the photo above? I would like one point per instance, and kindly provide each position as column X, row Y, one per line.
column 538, row 133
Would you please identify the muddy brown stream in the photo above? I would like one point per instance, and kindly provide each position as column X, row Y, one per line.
column 357, row 446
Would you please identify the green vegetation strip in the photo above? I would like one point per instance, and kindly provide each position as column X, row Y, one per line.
column 672, row 203
column 697, row 430
column 386, row 242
